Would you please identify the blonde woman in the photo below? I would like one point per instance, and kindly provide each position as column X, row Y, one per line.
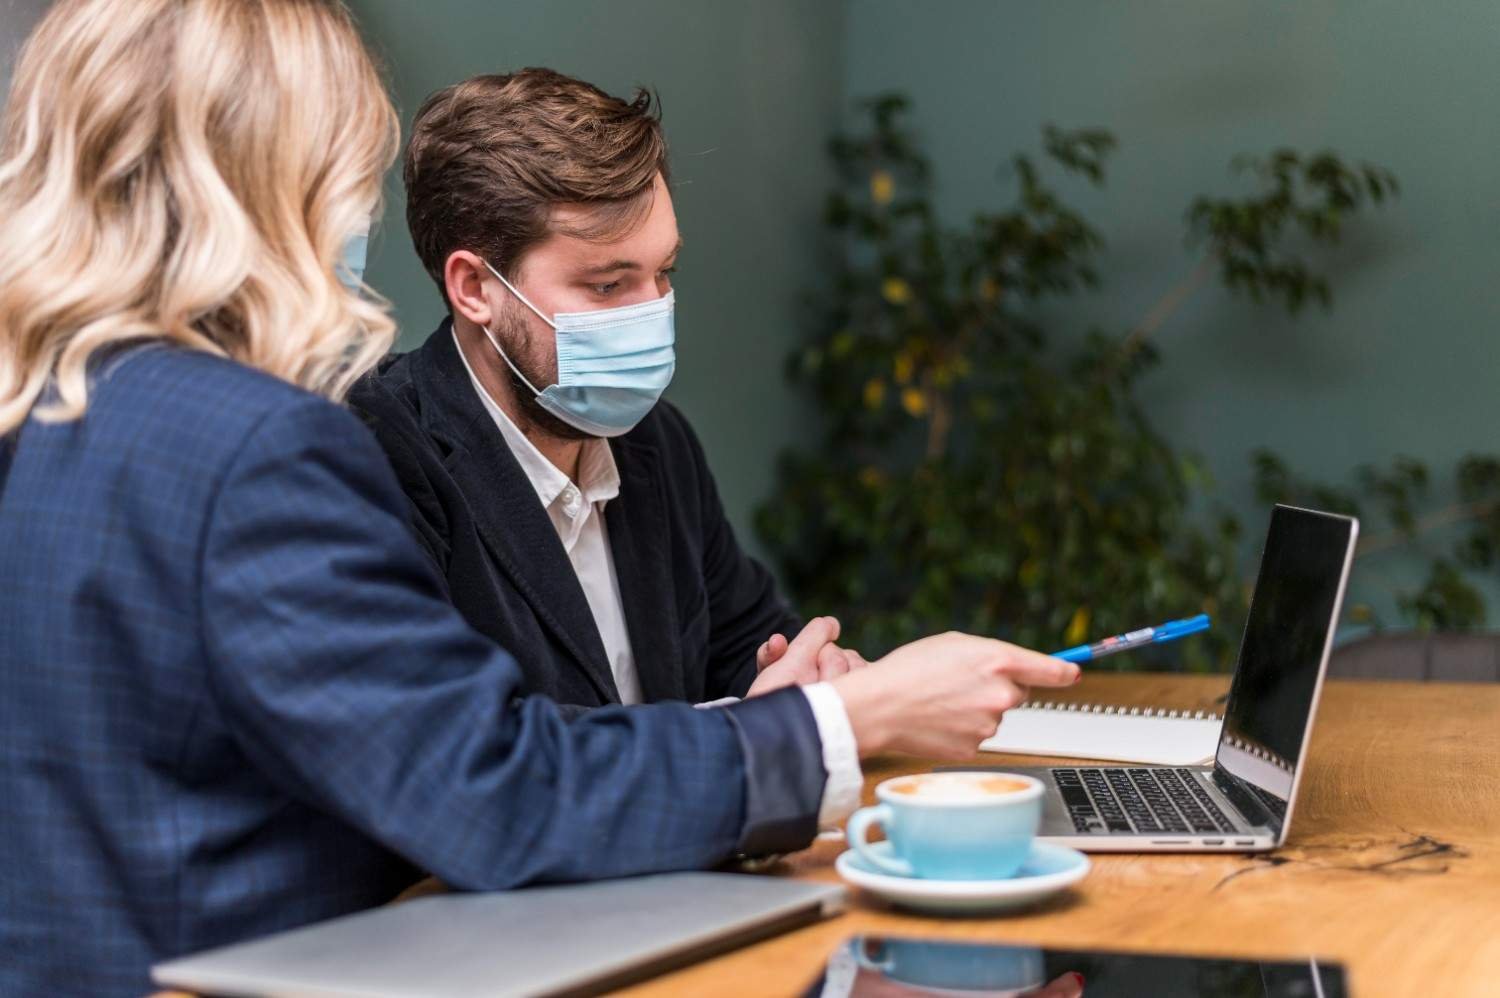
column 232, row 696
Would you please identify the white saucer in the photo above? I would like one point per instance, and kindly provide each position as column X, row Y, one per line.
column 1048, row 869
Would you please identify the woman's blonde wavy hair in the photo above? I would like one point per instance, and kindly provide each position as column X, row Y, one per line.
column 188, row 171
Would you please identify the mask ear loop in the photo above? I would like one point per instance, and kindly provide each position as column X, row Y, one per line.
column 514, row 370
column 523, row 299
column 496, row 343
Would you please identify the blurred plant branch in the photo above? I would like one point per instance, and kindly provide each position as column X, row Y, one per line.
column 1392, row 498
column 1311, row 196
column 975, row 471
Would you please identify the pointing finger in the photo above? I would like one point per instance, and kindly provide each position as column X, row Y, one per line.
column 1031, row 668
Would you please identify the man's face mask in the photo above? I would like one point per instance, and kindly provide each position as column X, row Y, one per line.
column 612, row 363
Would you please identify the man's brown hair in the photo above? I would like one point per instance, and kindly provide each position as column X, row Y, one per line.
column 489, row 158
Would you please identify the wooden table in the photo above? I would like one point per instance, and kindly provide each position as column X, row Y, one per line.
column 1392, row 866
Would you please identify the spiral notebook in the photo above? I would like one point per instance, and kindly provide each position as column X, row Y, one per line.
column 1149, row 735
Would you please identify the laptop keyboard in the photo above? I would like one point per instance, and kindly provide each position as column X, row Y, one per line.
column 1116, row 799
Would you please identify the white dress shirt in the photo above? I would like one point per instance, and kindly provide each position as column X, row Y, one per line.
column 577, row 514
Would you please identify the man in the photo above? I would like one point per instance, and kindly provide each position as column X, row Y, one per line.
column 572, row 515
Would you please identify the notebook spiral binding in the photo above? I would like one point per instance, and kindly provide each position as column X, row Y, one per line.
column 1102, row 708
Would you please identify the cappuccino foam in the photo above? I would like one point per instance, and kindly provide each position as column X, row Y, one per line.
column 957, row 788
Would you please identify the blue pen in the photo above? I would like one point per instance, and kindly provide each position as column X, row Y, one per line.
column 1170, row 631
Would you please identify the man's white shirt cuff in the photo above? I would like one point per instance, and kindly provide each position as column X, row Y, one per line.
column 845, row 779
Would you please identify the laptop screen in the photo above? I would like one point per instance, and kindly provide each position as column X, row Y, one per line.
column 1293, row 612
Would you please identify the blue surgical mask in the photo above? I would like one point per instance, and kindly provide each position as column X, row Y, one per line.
column 351, row 265
column 612, row 364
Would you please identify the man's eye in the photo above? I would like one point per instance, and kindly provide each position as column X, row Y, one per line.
column 669, row 271
column 606, row 289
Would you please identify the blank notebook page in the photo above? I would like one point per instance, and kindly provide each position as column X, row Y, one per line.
column 1113, row 734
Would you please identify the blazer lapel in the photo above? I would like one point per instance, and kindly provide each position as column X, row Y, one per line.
column 512, row 523
column 639, row 542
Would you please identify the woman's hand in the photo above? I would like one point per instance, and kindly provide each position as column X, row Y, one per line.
column 941, row 696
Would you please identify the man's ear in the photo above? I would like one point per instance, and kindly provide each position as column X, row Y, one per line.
column 463, row 278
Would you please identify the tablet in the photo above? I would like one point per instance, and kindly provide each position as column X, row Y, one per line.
column 889, row 966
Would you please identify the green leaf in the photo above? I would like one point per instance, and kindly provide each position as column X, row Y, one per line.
column 1042, row 486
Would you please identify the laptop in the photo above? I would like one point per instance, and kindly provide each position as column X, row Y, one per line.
column 1243, row 802
column 569, row 939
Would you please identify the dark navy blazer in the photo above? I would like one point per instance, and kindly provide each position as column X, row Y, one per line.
column 233, row 698
column 696, row 607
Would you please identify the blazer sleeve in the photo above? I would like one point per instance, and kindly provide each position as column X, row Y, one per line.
column 353, row 686
column 744, row 605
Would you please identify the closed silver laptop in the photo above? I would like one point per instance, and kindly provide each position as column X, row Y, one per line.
column 570, row 939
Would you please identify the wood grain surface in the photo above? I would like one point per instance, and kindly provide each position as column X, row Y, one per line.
column 1392, row 866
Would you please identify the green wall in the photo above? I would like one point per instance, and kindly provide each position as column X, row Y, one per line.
column 17, row 18
column 750, row 93
column 1409, row 359
column 1406, row 363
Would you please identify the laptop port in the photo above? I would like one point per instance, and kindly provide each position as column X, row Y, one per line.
column 1213, row 842
column 1244, row 842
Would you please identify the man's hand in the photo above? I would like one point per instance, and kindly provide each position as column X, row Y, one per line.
column 810, row 657
column 941, row 696
column 774, row 649
column 771, row 652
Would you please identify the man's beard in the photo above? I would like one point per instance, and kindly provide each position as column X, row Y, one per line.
column 512, row 335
